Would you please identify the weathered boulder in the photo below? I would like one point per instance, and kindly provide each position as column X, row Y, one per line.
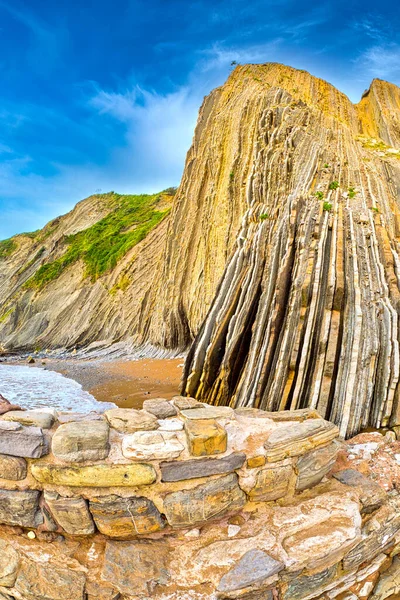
column 206, row 501
column 272, row 483
column 20, row 508
column 209, row 412
column 205, row 437
column 81, row 441
column 47, row 580
column 27, row 442
column 160, row 408
column 105, row 475
column 9, row 563
column 125, row 517
column 151, row 445
column 32, row 418
column 72, row 514
column 12, row 467
column 129, row 420
column 136, row 566
column 254, row 567
column 170, row 425
column 314, row 465
column 192, row 469
column 295, row 439
column 372, row 496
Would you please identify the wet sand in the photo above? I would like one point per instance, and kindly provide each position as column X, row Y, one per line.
column 126, row 383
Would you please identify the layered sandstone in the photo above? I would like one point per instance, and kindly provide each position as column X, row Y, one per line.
column 280, row 256
column 306, row 311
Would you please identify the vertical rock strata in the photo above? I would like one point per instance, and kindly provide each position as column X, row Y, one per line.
column 306, row 311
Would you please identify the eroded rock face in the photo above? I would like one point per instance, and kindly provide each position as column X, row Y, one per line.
column 314, row 206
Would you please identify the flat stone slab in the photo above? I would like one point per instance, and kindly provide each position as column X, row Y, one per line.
column 160, row 408
column 372, row 495
column 170, row 425
column 33, row 418
column 72, row 514
column 129, row 420
column 204, row 502
column 209, row 412
column 82, row 441
column 70, row 417
column 151, row 445
column 20, row 508
column 27, row 442
column 12, row 467
column 184, row 402
column 205, row 437
column 105, row 475
column 254, row 567
column 192, row 469
column 295, row 439
column 122, row 518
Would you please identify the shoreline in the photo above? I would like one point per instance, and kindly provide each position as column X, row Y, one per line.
column 126, row 383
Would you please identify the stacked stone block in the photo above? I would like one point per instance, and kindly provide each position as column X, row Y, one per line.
column 221, row 503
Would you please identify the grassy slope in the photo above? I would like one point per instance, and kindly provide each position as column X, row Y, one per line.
column 103, row 244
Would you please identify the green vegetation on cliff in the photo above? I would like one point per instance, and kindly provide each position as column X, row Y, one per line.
column 103, row 244
column 7, row 247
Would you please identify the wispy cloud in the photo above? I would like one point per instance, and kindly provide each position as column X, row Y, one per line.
column 381, row 61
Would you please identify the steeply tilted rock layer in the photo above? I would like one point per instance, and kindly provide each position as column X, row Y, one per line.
column 306, row 311
column 280, row 256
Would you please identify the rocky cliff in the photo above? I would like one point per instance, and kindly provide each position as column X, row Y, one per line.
column 87, row 278
column 280, row 256
column 306, row 311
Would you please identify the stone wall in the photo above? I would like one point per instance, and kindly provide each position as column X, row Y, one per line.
column 184, row 500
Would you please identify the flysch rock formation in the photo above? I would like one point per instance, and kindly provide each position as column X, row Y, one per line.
column 279, row 257
column 71, row 310
column 186, row 501
column 306, row 311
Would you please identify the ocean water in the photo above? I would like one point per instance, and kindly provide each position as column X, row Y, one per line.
column 33, row 387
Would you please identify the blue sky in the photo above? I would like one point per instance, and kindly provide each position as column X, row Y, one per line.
column 103, row 95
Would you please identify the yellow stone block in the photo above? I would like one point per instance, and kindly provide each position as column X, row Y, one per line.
column 96, row 475
column 205, row 437
column 256, row 461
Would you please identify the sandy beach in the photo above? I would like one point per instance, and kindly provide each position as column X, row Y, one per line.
column 126, row 383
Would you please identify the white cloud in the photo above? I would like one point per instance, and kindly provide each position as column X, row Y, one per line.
column 382, row 60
